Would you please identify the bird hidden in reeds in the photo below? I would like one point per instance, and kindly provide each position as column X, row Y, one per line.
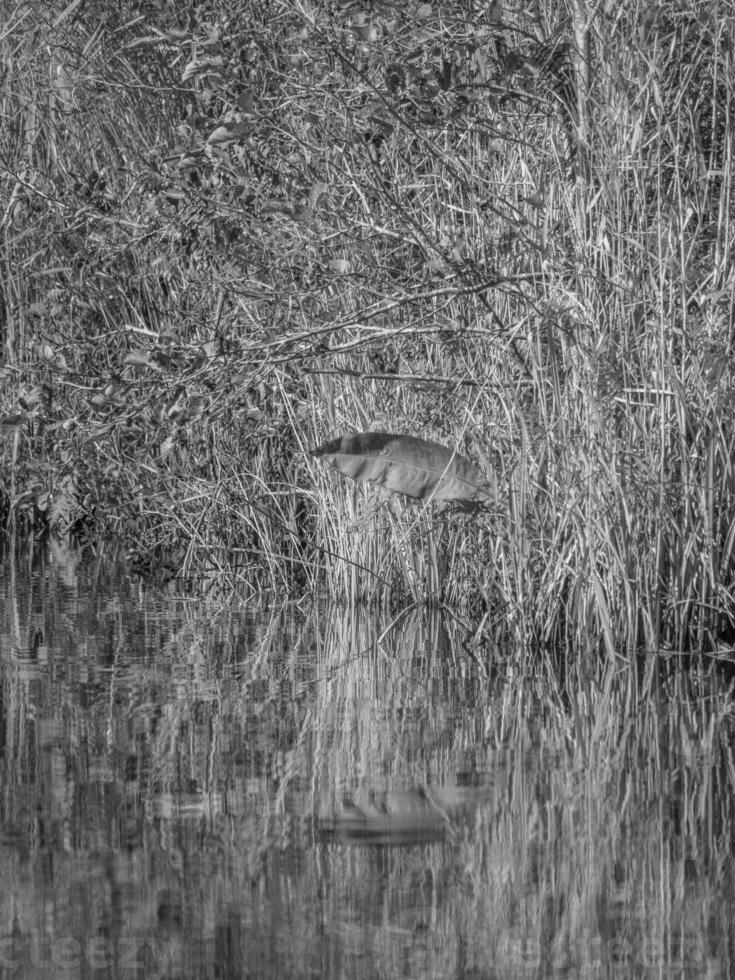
column 407, row 465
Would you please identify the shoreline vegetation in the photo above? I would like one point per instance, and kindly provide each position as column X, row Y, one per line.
column 232, row 231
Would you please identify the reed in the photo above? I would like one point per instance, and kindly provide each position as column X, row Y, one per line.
column 400, row 223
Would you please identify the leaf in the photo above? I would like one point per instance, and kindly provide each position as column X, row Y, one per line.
column 140, row 358
column 407, row 465
column 317, row 192
column 222, row 134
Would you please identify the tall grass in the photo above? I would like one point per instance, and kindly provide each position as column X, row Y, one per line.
column 226, row 239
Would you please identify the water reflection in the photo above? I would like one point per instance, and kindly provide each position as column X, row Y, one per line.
column 194, row 791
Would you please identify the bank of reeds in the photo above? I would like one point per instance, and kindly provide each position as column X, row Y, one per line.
column 228, row 238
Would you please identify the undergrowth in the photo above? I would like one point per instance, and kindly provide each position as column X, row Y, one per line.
column 231, row 231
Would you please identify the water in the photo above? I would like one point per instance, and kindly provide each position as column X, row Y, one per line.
column 198, row 790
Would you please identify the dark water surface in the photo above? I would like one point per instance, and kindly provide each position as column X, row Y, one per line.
column 196, row 790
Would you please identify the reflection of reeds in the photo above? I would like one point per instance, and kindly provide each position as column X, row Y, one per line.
column 573, row 847
column 516, row 815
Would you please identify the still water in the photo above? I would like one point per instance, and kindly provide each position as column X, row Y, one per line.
column 192, row 789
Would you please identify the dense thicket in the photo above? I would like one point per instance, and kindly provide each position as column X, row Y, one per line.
column 234, row 229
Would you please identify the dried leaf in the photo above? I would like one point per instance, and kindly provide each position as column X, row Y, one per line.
column 140, row 358
column 317, row 192
column 222, row 134
column 408, row 465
